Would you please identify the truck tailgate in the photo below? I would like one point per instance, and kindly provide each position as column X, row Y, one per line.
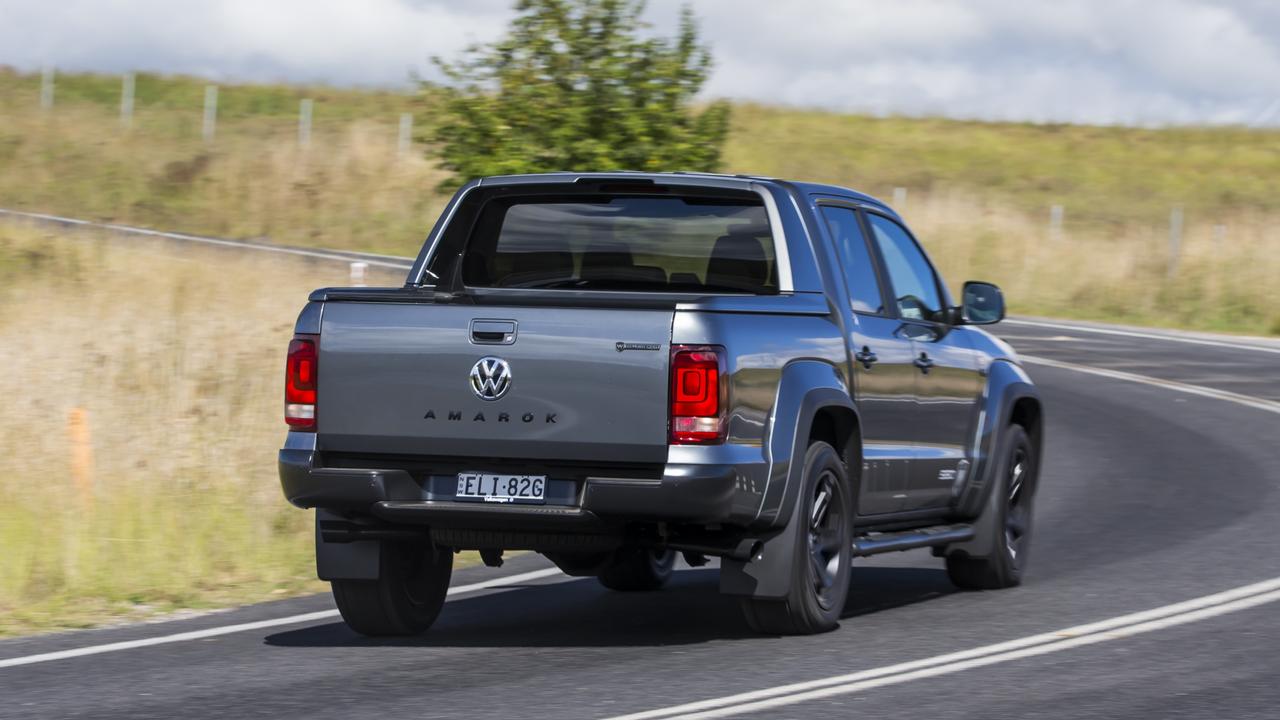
column 583, row 384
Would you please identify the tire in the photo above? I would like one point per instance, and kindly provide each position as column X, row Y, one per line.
column 638, row 570
column 823, row 553
column 1011, row 528
column 407, row 596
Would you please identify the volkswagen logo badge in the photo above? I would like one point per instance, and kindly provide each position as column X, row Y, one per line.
column 490, row 378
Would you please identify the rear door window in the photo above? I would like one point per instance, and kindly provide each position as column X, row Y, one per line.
column 855, row 258
column 622, row 243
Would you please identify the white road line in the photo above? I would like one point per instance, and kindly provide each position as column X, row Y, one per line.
column 246, row 627
column 387, row 261
column 1117, row 628
column 1225, row 342
column 994, row 659
column 1246, row 400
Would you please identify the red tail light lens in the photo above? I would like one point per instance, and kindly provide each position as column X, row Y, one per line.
column 300, row 382
column 699, row 395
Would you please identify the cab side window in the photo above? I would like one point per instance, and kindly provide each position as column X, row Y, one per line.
column 860, row 273
column 915, row 286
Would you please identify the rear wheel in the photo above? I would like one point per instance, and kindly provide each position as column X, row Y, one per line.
column 820, row 568
column 407, row 596
column 638, row 569
column 1011, row 528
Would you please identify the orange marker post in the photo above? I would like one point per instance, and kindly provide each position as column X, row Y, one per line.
column 81, row 454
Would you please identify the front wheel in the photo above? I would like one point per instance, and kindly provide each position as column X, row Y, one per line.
column 406, row 598
column 1010, row 528
column 823, row 553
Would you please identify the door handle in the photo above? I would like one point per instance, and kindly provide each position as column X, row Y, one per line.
column 866, row 357
column 493, row 332
column 924, row 362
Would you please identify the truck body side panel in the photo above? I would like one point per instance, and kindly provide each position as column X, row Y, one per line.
column 759, row 348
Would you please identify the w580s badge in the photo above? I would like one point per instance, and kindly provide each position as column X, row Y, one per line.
column 490, row 378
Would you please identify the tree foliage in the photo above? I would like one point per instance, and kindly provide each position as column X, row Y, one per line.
column 579, row 85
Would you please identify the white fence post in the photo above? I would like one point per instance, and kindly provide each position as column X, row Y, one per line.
column 46, row 88
column 210, row 112
column 357, row 273
column 126, row 101
column 1175, row 238
column 899, row 198
column 1219, row 236
column 1056, row 213
column 304, row 123
column 406, row 134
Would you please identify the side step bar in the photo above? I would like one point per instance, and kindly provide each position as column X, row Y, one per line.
column 876, row 543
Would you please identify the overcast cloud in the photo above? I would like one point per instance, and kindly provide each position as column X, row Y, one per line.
column 1093, row 61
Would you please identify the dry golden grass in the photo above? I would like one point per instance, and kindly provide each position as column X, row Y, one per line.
column 174, row 356
column 1224, row 278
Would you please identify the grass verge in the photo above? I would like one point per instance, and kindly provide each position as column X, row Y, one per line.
column 140, row 428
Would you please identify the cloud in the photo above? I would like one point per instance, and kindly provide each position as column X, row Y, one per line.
column 367, row 42
column 1095, row 61
column 1179, row 61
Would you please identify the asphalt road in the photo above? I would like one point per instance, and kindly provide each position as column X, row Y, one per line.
column 1150, row 495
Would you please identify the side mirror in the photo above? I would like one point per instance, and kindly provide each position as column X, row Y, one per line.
column 983, row 304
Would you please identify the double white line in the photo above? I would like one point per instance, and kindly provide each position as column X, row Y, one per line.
column 1116, row 628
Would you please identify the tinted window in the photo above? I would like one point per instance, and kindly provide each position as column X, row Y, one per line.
column 860, row 273
column 914, row 284
column 623, row 243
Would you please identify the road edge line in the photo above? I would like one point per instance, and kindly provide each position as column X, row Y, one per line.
column 1187, row 388
column 245, row 627
column 1245, row 343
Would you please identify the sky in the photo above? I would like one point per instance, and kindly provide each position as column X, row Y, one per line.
column 1155, row 62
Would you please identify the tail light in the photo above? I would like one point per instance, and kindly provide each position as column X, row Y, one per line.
column 699, row 395
column 300, row 382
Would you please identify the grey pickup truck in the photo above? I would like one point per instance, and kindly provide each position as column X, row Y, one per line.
column 613, row 369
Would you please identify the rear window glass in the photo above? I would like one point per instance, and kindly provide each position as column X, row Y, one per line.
column 635, row 243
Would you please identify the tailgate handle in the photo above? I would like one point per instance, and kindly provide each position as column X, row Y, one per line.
column 493, row 332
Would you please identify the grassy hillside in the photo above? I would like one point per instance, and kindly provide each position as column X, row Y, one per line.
column 978, row 193
column 1103, row 176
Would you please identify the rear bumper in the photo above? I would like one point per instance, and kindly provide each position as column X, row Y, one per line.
column 690, row 494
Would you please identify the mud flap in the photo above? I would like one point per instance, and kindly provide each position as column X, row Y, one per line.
column 769, row 572
column 805, row 388
column 346, row 561
column 988, row 527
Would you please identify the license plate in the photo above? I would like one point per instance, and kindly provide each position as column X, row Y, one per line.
column 487, row 487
